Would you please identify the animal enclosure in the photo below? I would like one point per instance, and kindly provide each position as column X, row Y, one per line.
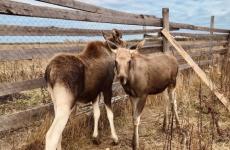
column 22, row 63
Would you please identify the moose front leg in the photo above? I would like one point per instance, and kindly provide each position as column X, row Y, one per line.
column 138, row 104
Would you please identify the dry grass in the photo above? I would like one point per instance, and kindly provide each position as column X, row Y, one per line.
column 195, row 118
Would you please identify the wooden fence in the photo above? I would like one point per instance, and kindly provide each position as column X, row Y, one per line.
column 214, row 41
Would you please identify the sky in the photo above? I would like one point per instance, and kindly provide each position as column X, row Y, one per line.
column 197, row 12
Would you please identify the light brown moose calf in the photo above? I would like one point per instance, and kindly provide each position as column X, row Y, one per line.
column 81, row 78
column 141, row 75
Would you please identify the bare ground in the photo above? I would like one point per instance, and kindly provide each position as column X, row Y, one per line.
column 151, row 135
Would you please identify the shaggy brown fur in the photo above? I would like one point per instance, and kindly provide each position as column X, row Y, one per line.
column 81, row 78
column 88, row 73
column 141, row 75
column 85, row 74
column 150, row 74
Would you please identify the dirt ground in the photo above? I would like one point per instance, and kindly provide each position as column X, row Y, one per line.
column 150, row 132
column 151, row 136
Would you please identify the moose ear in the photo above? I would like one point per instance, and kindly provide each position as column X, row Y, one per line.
column 132, row 47
column 140, row 44
column 104, row 35
column 133, row 52
column 137, row 45
column 112, row 46
column 116, row 34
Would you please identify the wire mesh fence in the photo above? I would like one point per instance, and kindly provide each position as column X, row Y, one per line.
column 25, row 53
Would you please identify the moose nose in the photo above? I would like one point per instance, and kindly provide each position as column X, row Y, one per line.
column 123, row 80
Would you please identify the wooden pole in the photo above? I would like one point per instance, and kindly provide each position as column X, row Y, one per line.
column 212, row 25
column 144, row 28
column 227, row 55
column 197, row 69
column 165, row 15
column 210, row 40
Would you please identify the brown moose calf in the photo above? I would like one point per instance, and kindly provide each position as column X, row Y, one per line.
column 141, row 75
column 81, row 78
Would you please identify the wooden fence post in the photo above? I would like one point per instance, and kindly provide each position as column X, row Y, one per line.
column 165, row 15
column 227, row 55
column 210, row 57
column 212, row 25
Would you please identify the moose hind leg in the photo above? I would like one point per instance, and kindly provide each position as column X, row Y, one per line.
column 63, row 102
column 50, row 90
column 96, row 116
column 172, row 97
column 166, row 112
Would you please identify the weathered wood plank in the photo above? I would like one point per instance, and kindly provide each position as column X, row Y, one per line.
column 47, row 52
column 11, row 88
column 201, row 44
column 210, row 40
column 201, row 36
column 199, row 28
column 212, row 25
column 10, row 30
column 16, row 87
column 187, row 45
column 200, row 63
column 201, row 54
column 23, row 118
column 228, row 49
column 23, row 9
column 36, row 53
column 27, row 117
column 94, row 9
column 198, row 70
column 165, row 14
column 227, row 55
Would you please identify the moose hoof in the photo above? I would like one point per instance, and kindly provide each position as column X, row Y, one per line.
column 96, row 141
column 115, row 142
column 135, row 146
column 164, row 129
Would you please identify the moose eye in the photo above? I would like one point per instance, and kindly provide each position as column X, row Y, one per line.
column 129, row 63
column 115, row 63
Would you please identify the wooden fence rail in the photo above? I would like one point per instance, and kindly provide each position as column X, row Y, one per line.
column 23, row 9
column 201, row 36
column 27, row 117
column 47, row 52
column 15, row 8
column 94, row 9
column 11, row 88
column 36, row 53
column 53, row 31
